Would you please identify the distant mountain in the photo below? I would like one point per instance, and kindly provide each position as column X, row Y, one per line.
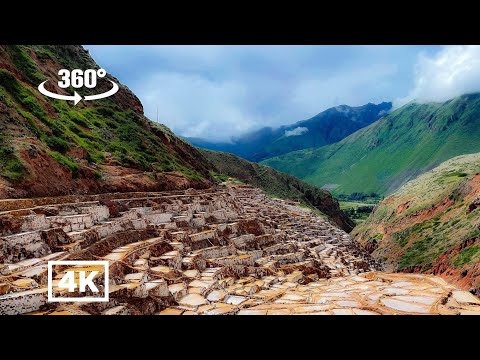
column 328, row 127
column 397, row 148
column 279, row 184
column 431, row 224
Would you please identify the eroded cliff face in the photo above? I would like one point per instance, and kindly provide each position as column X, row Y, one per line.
column 431, row 225
column 51, row 147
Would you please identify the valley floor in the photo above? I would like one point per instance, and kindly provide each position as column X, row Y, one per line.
column 229, row 250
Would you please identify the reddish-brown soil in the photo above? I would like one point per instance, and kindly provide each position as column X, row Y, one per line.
column 59, row 181
column 44, row 176
column 465, row 276
column 421, row 216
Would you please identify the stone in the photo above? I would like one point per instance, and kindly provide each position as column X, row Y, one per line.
column 346, row 303
column 135, row 277
column 343, row 312
column 157, row 288
column 293, row 297
column 395, row 291
column 252, row 312
column 25, row 283
column 177, row 246
column 4, row 288
column 203, row 285
column 178, row 290
column 216, row 295
column 117, row 310
column 308, row 309
column 171, row 311
column 23, row 302
column 222, row 309
column 464, row 297
column 427, row 300
column 192, row 301
column 189, row 312
column 364, row 312
column 296, row 276
column 135, row 289
column 141, row 263
column 402, row 284
column 278, row 312
column 191, row 273
column 251, row 289
column 229, row 250
column 406, row 307
column 235, row 300
column 470, row 312
column 163, row 271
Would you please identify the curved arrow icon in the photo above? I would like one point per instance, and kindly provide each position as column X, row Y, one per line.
column 75, row 98
column 103, row 95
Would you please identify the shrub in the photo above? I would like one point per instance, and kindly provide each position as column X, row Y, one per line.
column 4, row 98
column 32, row 105
column 9, row 82
column 10, row 166
column 465, row 255
column 24, row 63
column 219, row 177
column 66, row 161
column 58, row 144
column 105, row 112
column 78, row 118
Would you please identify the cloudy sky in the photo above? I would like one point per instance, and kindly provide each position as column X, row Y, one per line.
column 217, row 92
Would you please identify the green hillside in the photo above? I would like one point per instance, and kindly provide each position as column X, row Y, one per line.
column 388, row 153
column 278, row 184
column 53, row 147
column 431, row 224
column 325, row 128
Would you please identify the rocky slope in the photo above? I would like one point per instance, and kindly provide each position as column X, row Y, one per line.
column 327, row 127
column 280, row 185
column 209, row 252
column 50, row 147
column 397, row 148
column 431, row 224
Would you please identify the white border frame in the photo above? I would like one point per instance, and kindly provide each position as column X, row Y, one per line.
column 51, row 298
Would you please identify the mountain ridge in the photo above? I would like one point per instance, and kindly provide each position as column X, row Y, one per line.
column 328, row 126
column 384, row 155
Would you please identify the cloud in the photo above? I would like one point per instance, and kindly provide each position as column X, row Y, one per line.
column 194, row 106
column 296, row 132
column 453, row 71
column 344, row 88
column 342, row 109
column 220, row 92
